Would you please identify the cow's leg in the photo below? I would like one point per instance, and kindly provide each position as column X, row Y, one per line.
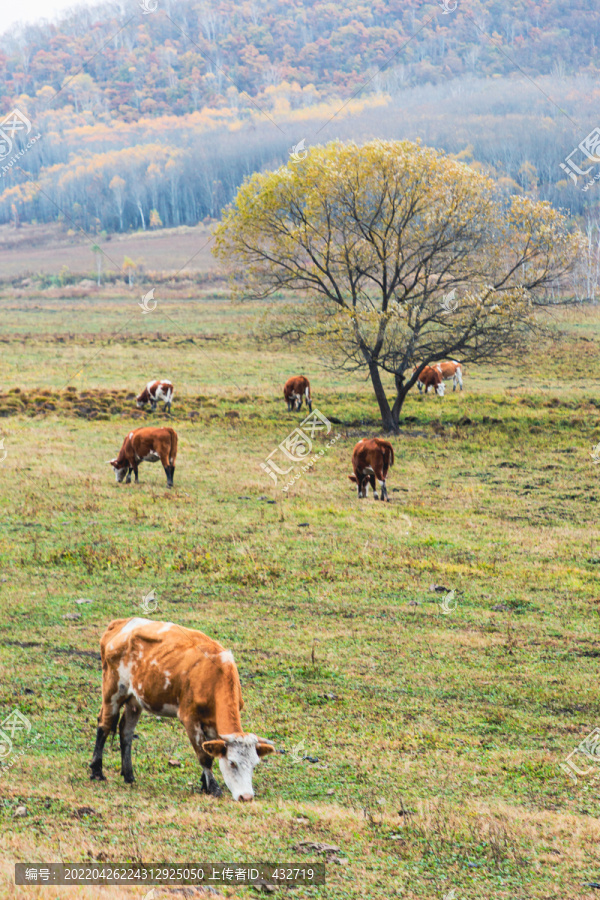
column 374, row 486
column 135, row 472
column 128, row 479
column 384, row 491
column 197, row 736
column 107, row 721
column 129, row 720
column 153, row 405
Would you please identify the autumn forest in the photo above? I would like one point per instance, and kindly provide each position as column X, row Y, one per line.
column 150, row 119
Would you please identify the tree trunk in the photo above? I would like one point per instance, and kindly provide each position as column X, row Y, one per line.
column 387, row 419
column 402, row 389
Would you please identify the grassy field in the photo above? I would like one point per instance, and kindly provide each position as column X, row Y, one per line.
column 438, row 737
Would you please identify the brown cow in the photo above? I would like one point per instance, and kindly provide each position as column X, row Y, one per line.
column 155, row 391
column 178, row 672
column 431, row 376
column 448, row 369
column 371, row 459
column 294, row 390
column 451, row 369
column 149, row 444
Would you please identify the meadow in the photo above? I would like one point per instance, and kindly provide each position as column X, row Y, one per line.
column 435, row 738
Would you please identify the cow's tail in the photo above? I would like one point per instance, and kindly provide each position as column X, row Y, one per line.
column 173, row 451
column 391, row 456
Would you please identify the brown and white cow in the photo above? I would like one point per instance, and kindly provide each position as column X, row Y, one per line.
column 448, row 369
column 431, row 377
column 451, row 369
column 149, row 445
column 169, row 670
column 371, row 459
column 295, row 390
column 154, row 392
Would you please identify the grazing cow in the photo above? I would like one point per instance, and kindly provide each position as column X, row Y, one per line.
column 431, row 377
column 178, row 672
column 451, row 369
column 371, row 459
column 448, row 369
column 154, row 392
column 149, row 444
column 294, row 390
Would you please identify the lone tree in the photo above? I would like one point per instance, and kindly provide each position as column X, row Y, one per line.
column 401, row 257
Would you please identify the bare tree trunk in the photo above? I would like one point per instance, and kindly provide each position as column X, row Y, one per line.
column 402, row 389
column 387, row 419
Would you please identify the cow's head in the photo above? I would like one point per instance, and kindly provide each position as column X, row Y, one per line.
column 120, row 472
column 440, row 389
column 140, row 402
column 238, row 756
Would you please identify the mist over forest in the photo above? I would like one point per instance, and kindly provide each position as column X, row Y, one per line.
column 149, row 121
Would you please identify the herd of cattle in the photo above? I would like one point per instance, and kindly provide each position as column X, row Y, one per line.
column 371, row 458
column 169, row 670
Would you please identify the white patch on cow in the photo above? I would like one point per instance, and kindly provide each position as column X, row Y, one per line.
column 154, row 662
column 137, row 622
column 165, row 627
column 130, row 435
column 170, row 710
column 226, row 656
column 152, row 456
column 167, row 679
column 239, row 764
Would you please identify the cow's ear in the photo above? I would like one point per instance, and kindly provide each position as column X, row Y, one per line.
column 112, row 462
column 263, row 749
column 215, row 748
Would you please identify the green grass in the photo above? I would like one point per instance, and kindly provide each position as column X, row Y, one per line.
column 438, row 736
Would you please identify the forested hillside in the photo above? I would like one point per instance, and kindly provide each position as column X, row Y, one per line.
column 190, row 54
column 154, row 119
